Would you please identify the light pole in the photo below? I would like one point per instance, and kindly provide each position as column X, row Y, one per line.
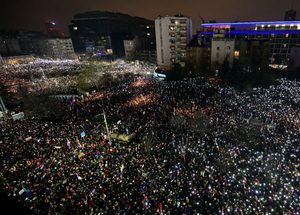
column 106, row 128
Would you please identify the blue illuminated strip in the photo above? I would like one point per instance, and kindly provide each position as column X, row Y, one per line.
column 207, row 32
column 252, row 23
column 265, row 32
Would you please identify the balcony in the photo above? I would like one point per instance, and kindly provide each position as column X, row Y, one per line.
column 172, row 41
column 183, row 42
column 172, row 28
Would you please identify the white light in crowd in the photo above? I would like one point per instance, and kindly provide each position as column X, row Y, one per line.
column 292, row 25
column 277, row 25
column 269, row 25
column 262, row 26
column 283, row 25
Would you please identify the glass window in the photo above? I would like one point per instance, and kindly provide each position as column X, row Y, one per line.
column 279, row 35
column 294, row 35
column 217, row 55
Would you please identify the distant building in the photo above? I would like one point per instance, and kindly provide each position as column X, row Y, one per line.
column 290, row 15
column 52, row 30
column 8, row 45
column 252, row 53
column 222, row 48
column 294, row 62
column 131, row 44
column 106, row 29
column 198, row 58
column 283, row 35
column 146, row 56
column 173, row 33
column 61, row 48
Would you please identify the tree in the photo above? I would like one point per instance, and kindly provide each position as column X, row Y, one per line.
column 224, row 69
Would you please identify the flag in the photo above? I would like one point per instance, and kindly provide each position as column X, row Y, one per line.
column 68, row 142
column 26, row 191
column 160, row 208
column 47, row 140
column 222, row 212
column 272, row 118
column 79, row 178
column 73, row 100
column 79, row 145
column 262, row 127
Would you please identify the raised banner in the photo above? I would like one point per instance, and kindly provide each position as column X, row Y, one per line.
column 18, row 116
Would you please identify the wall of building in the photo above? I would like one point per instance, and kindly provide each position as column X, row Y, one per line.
column 221, row 49
column 61, row 48
column 294, row 61
column 173, row 34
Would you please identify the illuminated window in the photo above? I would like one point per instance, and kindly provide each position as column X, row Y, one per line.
column 236, row 54
column 269, row 25
column 148, row 34
column 75, row 28
column 147, row 26
column 284, row 45
column 287, row 35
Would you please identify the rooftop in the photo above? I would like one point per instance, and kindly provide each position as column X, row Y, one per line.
column 252, row 23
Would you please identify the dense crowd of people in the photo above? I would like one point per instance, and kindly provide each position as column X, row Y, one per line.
column 215, row 160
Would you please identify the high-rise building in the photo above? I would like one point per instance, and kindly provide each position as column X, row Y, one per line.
column 52, row 30
column 102, row 28
column 282, row 35
column 173, row 33
column 290, row 15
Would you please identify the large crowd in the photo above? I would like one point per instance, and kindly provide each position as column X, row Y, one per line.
column 213, row 161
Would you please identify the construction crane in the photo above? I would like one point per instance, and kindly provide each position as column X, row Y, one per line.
column 202, row 21
column 201, row 18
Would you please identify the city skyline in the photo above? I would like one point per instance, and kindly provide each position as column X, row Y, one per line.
column 31, row 15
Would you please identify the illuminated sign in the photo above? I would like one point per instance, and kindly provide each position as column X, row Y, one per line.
column 251, row 23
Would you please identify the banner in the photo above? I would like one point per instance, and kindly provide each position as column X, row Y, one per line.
column 18, row 116
column 80, row 155
column 28, row 138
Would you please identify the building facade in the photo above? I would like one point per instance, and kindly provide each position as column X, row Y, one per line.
column 294, row 61
column 173, row 33
column 146, row 56
column 131, row 44
column 56, row 48
column 198, row 59
column 283, row 35
column 106, row 29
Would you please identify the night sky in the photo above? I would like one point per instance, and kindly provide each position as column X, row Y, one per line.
column 31, row 14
